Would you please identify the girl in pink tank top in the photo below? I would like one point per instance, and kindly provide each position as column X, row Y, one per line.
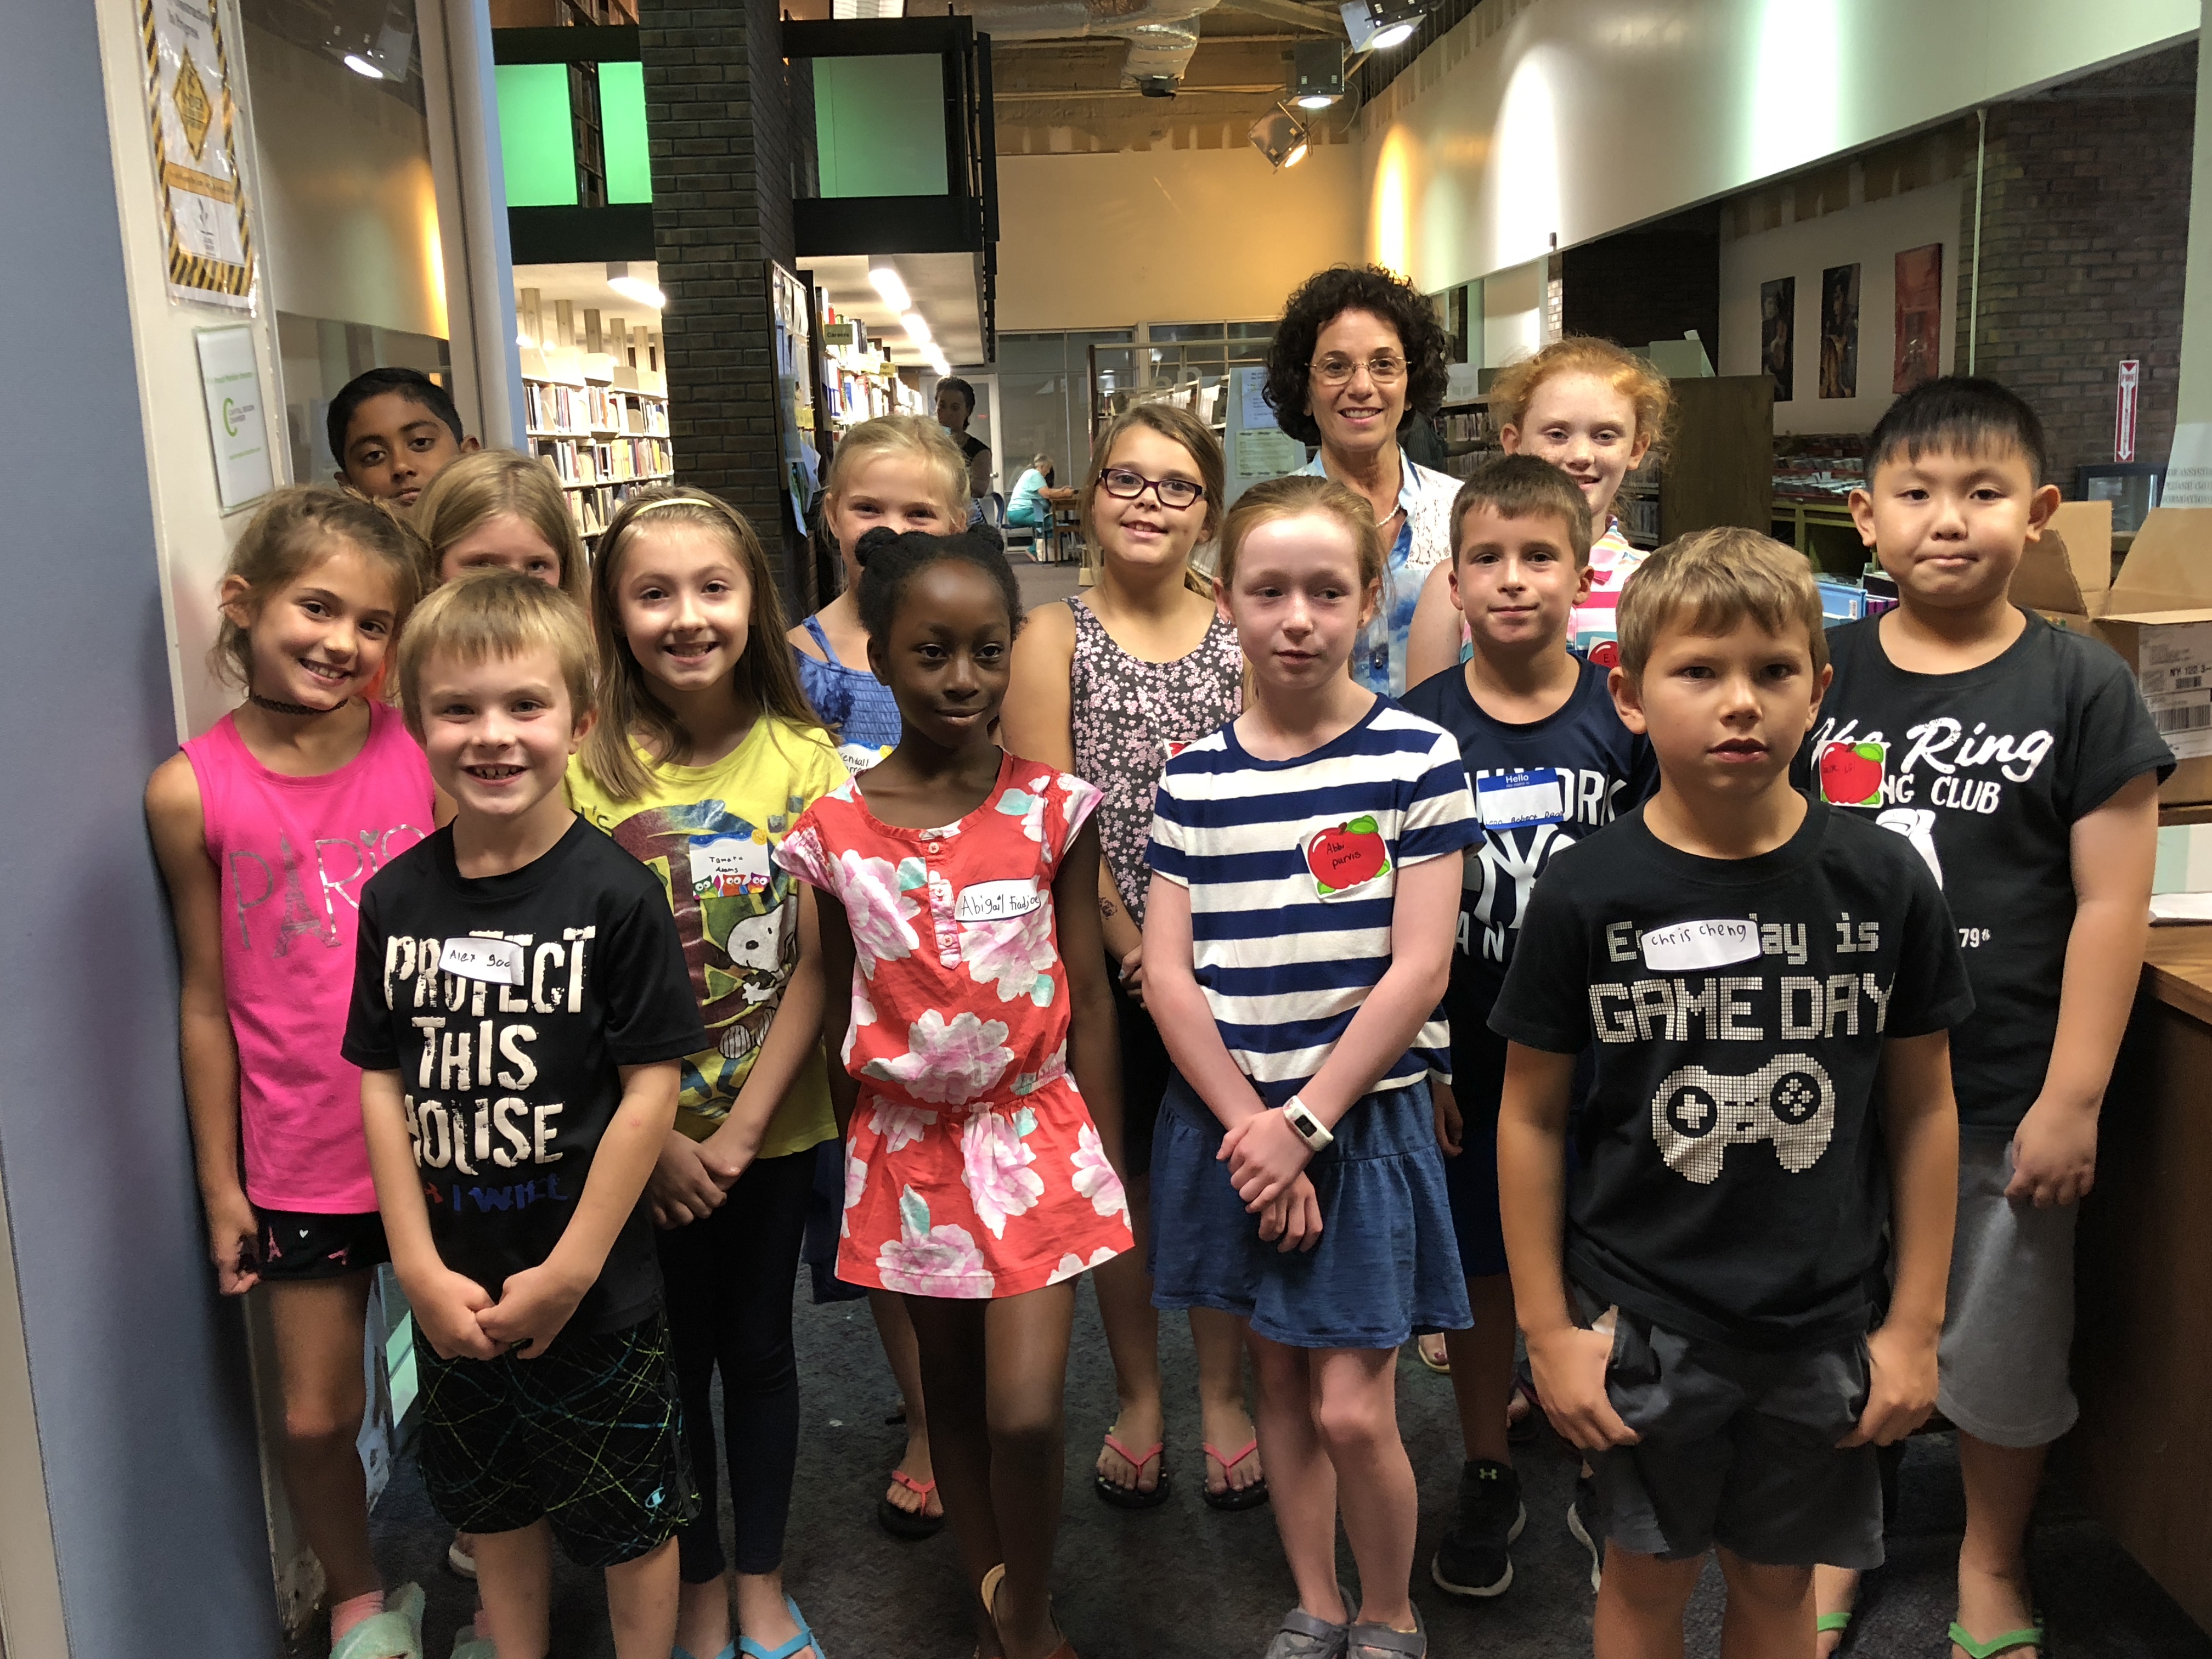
column 267, row 828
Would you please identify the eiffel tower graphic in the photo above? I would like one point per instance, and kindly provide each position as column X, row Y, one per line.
column 299, row 918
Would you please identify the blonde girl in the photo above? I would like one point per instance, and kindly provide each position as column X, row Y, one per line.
column 1103, row 687
column 267, row 827
column 1595, row 411
column 1306, row 864
column 899, row 472
column 704, row 754
column 500, row 509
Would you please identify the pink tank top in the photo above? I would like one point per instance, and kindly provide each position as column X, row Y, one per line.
column 294, row 854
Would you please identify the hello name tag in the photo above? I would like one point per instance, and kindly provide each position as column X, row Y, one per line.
column 1520, row 801
column 1693, row 945
column 494, row 961
column 996, row 901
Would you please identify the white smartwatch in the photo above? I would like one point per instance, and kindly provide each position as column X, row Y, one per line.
column 1308, row 1127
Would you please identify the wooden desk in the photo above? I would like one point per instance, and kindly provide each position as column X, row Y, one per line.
column 2142, row 1352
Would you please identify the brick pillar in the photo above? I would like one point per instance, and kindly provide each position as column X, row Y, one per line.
column 728, row 131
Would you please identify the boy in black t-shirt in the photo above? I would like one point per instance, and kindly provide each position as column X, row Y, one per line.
column 1743, row 962
column 2019, row 761
column 1550, row 763
column 520, row 1006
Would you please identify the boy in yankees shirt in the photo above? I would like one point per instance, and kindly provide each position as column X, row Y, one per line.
column 2019, row 761
column 1550, row 763
column 1743, row 962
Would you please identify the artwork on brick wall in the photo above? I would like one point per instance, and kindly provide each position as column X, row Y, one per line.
column 1777, row 353
column 1839, row 331
column 1919, row 316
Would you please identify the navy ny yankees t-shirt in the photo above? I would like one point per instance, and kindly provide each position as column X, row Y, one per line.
column 1985, row 773
column 1538, row 788
column 507, row 1005
column 1732, row 1183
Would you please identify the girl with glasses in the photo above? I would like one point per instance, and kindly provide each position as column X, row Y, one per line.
column 1358, row 356
column 1107, row 686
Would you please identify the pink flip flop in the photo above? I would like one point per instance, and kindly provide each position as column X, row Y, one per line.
column 1235, row 1498
column 912, row 1525
column 1133, row 1498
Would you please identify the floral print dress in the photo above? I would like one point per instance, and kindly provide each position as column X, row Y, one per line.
column 972, row 1168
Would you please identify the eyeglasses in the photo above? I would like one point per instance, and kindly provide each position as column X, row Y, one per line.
column 1382, row 368
column 1177, row 493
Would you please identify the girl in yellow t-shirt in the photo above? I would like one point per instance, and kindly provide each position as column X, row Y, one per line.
column 705, row 753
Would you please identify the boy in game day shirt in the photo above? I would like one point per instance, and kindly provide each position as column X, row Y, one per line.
column 2020, row 763
column 1550, row 763
column 520, row 1004
column 1743, row 962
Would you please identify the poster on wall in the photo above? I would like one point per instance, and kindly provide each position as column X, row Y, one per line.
column 1919, row 316
column 1777, row 348
column 194, row 125
column 1839, row 331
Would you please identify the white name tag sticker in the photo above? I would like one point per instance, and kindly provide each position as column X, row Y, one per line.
column 728, row 866
column 996, row 901
column 494, row 961
column 1520, row 800
column 1692, row 944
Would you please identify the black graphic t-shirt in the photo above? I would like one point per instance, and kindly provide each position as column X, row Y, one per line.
column 1538, row 788
column 1732, row 1183
column 1985, row 773
column 507, row 1005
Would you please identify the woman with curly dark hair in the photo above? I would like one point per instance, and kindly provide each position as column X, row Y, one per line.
column 1358, row 356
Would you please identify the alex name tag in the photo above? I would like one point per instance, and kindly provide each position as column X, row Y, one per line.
column 1693, row 945
column 494, row 961
column 996, row 901
column 1520, row 800
column 728, row 866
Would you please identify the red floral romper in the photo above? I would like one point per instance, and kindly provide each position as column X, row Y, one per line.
column 972, row 1168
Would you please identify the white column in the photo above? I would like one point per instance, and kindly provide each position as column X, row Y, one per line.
column 2189, row 473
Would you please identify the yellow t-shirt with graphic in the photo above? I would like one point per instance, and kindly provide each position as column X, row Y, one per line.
column 709, row 832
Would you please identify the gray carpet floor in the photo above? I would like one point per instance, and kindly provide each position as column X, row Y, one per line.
column 1183, row 1580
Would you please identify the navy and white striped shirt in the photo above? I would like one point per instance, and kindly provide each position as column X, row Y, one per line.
column 1292, row 871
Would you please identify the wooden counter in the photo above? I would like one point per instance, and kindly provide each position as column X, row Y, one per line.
column 2142, row 1354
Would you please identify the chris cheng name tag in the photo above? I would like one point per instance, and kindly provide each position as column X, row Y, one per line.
column 494, row 961
column 1693, row 945
column 996, row 901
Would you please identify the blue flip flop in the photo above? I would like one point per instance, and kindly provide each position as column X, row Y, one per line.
column 797, row 1643
column 728, row 1652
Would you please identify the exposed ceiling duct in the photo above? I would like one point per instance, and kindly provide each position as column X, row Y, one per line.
column 1162, row 33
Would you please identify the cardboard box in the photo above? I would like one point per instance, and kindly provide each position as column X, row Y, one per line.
column 2157, row 616
column 2067, row 571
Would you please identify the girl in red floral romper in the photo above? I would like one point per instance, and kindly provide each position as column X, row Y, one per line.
column 958, row 892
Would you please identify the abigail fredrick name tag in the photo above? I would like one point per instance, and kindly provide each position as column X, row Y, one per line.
column 1693, row 945
column 494, row 961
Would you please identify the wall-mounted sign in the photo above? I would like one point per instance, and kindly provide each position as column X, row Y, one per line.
column 2124, row 417
column 194, row 122
column 231, row 384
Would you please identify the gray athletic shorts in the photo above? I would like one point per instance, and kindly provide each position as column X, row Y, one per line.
column 1739, row 1449
column 2009, row 1321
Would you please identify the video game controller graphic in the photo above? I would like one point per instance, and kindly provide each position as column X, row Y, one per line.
column 1698, row 1115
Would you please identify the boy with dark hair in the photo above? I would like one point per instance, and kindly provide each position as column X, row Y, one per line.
column 521, row 1010
column 392, row 431
column 2020, row 763
column 1745, row 963
column 1550, row 763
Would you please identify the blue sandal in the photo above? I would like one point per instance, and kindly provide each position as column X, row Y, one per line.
column 797, row 1643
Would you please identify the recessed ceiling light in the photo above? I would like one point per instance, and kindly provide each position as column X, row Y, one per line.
column 634, row 287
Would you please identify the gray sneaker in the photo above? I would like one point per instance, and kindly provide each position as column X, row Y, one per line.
column 1304, row 1637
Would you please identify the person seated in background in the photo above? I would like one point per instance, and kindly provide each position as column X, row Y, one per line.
column 392, row 430
column 1028, row 507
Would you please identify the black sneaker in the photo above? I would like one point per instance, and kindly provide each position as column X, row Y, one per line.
column 1472, row 1559
column 1586, row 1521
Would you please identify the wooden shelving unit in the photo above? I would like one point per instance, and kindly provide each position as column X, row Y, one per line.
column 600, row 426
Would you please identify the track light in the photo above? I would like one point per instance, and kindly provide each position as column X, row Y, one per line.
column 1316, row 73
column 1379, row 25
column 1281, row 137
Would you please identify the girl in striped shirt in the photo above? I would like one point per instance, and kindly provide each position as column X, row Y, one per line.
column 1297, row 942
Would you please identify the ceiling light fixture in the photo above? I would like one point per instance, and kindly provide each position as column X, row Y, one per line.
column 885, row 277
column 1281, row 137
column 634, row 287
column 1316, row 73
column 1379, row 25
column 917, row 328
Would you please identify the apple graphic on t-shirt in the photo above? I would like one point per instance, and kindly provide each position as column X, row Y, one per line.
column 1850, row 773
column 1347, row 856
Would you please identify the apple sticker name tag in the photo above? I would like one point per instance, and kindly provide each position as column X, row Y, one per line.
column 1347, row 857
column 1694, row 945
column 494, row 961
column 1853, row 774
column 1520, row 801
column 996, row 901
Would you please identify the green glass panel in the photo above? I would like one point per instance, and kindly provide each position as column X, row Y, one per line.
column 879, row 126
column 622, row 132
column 537, row 144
